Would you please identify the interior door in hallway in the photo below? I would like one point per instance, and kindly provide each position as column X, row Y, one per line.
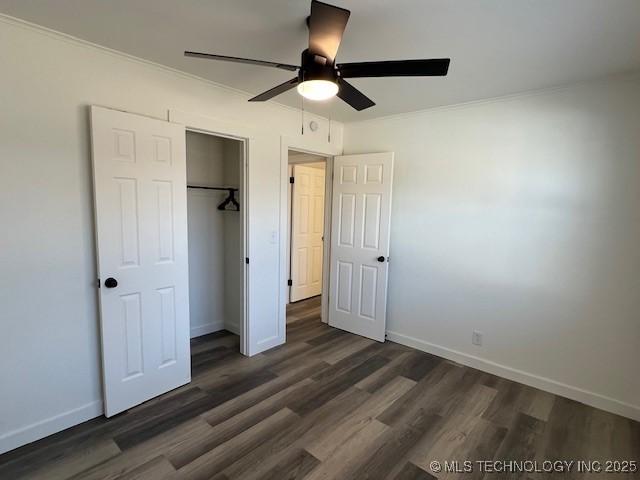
column 141, row 230
column 360, row 228
column 307, row 229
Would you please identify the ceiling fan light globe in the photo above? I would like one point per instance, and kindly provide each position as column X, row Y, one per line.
column 317, row 89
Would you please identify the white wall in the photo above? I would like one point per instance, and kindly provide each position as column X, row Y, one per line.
column 49, row 341
column 299, row 157
column 206, row 261
column 520, row 217
column 205, row 159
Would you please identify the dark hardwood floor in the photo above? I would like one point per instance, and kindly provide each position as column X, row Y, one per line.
column 329, row 405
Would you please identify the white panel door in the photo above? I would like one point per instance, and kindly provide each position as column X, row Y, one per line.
column 360, row 221
column 307, row 227
column 141, row 229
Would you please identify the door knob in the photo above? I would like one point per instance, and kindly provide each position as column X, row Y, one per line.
column 111, row 282
column 381, row 258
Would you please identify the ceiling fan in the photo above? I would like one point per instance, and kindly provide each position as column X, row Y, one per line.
column 319, row 77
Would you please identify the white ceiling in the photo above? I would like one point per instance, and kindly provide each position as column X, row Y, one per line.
column 497, row 47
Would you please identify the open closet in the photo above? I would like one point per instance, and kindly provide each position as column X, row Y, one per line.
column 215, row 229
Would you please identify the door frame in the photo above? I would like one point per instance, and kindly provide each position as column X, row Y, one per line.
column 328, row 151
column 209, row 126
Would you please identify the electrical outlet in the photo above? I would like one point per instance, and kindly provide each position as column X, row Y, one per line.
column 476, row 338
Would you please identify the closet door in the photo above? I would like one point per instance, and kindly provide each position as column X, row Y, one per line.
column 141, row 230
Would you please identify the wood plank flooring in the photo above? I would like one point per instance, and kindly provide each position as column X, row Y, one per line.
column 329, row 405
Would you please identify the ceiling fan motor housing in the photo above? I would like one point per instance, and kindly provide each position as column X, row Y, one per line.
column 316, row 67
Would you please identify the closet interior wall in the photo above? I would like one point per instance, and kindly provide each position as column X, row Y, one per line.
column 215, row 281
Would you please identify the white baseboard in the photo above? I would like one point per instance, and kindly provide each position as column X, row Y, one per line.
column 206, row 328
column 49, row 426
column 557, row 388
column 232, row 327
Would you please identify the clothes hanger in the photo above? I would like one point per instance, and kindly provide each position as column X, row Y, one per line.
column 230, row 203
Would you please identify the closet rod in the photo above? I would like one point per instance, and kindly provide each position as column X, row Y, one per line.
column 226, row 189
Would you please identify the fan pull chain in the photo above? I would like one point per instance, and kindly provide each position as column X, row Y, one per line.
column 302, row 126
column 329, row 132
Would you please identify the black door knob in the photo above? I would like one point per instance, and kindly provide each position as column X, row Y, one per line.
column 111, row 282
column 381, row 258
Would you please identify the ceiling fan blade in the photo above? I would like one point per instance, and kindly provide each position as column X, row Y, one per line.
column 395, row 68
column 283, row 87
column 326, row 26
column 353, row 96
column 263, row 63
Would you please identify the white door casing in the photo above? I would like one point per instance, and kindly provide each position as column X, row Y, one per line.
column 141, row 232
column 360, row 229
column 307, row 227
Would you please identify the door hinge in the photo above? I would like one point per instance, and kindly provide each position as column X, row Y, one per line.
column 290, row 282
column 292, row 179
column 98, row 282
column 246, row 260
